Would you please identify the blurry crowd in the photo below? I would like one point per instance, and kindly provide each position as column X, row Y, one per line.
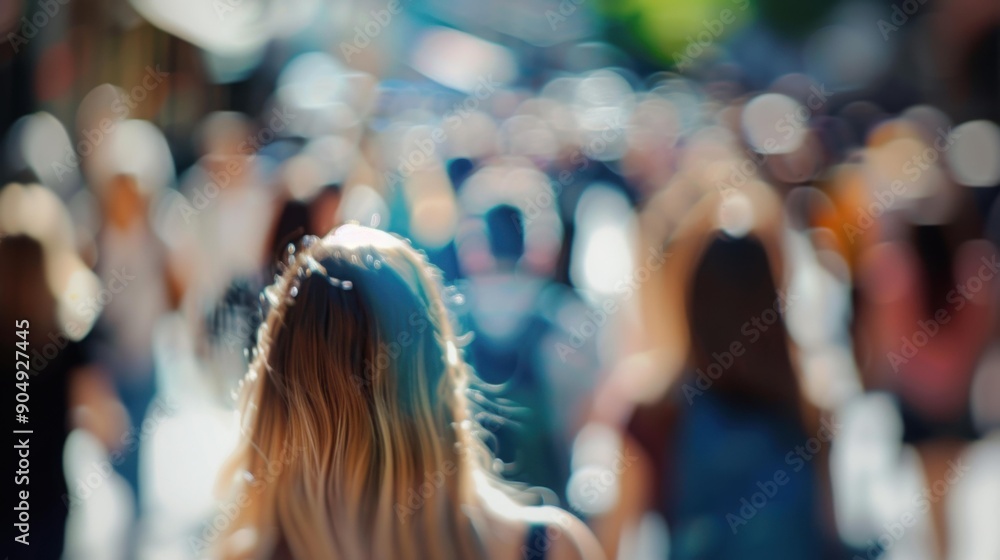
column 728, row 311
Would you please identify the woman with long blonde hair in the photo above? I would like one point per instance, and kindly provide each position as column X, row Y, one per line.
column 359, row 437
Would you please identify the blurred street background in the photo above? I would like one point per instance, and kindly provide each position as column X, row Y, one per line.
column 627, row 196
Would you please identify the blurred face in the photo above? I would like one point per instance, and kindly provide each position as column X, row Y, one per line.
column 228, row 151
column 123, row 203
column 229, row 169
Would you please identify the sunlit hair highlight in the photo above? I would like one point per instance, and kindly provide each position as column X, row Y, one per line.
column 354, row 403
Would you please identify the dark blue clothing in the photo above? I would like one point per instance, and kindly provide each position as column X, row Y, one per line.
column 537, row 543
column 732, row 483
column 740, row 490
column 519, row 417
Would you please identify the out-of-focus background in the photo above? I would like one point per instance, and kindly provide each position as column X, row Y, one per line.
column 754, row 238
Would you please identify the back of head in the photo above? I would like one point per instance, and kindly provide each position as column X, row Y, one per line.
column 738, row 334
column 505, row 228
column 352, row 407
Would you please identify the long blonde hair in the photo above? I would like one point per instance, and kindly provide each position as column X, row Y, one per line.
column 357, row 437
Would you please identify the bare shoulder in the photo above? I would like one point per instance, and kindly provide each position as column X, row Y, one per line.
column 559, row 535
